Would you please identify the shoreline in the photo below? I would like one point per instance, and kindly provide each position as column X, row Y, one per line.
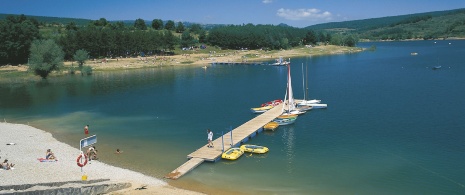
column 31, row 143
column 191, row 58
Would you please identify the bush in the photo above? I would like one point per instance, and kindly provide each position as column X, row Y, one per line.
column 86, row 70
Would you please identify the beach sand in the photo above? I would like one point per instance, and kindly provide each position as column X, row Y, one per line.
column 22, row 145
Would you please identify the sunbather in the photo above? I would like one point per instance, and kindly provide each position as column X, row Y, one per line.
column 6, row 165
column 49, row 155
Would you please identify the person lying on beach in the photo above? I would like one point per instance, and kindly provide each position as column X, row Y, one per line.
column 6, row 165
column 49, row 155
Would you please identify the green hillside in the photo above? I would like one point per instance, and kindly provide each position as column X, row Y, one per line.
column 52, row 20
column 429, row 25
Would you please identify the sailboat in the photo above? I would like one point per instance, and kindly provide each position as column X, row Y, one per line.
column 289, row 115
column 313, row 103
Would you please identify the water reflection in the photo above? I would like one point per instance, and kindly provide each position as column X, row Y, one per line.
column 288, row 139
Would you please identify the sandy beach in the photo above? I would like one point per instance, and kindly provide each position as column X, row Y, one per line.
column 22, row 145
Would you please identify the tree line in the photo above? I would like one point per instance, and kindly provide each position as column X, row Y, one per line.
column 21, row 41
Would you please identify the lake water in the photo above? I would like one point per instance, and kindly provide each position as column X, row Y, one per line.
column 393, row 125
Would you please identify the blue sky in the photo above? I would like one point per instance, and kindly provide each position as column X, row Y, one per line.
column 298, row 13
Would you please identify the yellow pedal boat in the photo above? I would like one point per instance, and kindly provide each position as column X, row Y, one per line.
column 254, row 149
column 232, row 153
column 271, row 126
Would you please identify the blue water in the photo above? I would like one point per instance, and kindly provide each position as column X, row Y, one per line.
column 393, row 125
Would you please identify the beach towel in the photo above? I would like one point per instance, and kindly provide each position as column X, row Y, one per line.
column 46, row 160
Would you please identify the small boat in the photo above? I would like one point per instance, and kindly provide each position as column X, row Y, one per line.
column 436, row 67
column 271, row 126
column 232, row 153
column 261, row 109
column 286, row 115
column 296, row 112
column 285, row 121
column 254, row 149
column 281, row 62
column 414, row 53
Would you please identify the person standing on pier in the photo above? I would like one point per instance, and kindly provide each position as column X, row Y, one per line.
column 210, row 138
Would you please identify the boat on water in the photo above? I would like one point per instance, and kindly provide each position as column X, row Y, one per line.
column 306, row 102
column 254, row 149
column 289, row 106
column 318, row 105
column 303, row 107
column 261, row 109
column 271, row 126
column 436, row 67
column 281, row 62
column 232, row 153
column 287, row 115
column 266, row 106
column 285, row 121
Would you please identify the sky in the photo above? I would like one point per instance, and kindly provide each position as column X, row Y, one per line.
column 297, row 13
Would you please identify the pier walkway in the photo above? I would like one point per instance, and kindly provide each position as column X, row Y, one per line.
column 240, row 135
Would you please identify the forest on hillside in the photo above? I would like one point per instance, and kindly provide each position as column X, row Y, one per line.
column 429, row 25
column 105, row 39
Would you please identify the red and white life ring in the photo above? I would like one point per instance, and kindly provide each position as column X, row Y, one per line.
column 79, row 159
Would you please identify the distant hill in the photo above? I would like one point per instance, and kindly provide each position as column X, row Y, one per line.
column 438, row 24
column 58, row 20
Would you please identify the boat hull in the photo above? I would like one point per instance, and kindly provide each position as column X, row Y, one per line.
column 285, row 121
column 318, row 106
column 307, row 102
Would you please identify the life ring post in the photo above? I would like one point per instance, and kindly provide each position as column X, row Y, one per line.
column 79, row 160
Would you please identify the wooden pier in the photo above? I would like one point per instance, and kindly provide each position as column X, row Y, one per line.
column 240, row 135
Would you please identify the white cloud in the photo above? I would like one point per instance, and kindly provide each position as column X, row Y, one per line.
column 267, row 1
column 304, row 14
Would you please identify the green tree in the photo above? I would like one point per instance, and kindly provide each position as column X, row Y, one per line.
column 157, row 24
column 140, row 24
column 311, row 37
column 46, row 56
column 119, row 25
column 101, row 22
column 169, row 40
column 81, row 56
column 186, row 39
column 169, row 25
column 180, row 27
column 195, row 28
column 16, row 35
column 71, row 26
column 203, row 36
